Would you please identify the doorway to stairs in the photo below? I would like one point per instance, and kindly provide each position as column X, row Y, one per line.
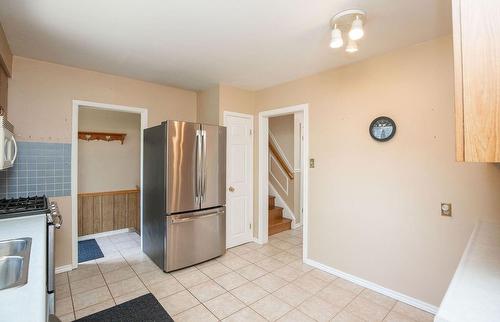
column 283, row 171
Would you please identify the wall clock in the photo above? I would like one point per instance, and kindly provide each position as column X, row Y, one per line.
column 382, row 129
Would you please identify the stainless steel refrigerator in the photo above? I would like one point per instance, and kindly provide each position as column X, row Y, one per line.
column 184, row 193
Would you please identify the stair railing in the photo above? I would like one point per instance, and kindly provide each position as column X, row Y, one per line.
column 280, row 157
column 284, row 171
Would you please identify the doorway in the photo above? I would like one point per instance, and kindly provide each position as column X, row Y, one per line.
column 239, row 178
column 264, row 161
column 128, row 200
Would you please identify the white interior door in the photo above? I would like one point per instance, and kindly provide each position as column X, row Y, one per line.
column 239, row 193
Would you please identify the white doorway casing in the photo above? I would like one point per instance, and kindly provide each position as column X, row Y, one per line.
column 263, row 170
column 74, row 162
column 239, row 178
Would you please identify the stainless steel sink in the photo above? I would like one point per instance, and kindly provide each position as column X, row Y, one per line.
column 14, row 262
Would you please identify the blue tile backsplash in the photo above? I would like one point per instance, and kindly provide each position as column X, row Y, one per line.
column 40, row 169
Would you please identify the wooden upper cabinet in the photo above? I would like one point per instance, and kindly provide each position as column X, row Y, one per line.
column 3, row 90
column 476, row 37
column 5, row 68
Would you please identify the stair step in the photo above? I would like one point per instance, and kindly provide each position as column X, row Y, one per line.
column 275, row 213
column 277, row 226
column 271, row 201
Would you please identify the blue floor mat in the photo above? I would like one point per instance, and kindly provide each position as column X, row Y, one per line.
column 88, row 250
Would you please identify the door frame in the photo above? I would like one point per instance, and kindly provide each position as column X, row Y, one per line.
column 250, row 204
column 74, row 161
column 263, row 170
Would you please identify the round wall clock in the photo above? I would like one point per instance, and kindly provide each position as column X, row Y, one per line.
column 382, row 129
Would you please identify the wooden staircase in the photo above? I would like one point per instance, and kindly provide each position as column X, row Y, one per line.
column 276, row 222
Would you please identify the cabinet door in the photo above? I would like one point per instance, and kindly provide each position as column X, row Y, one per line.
column 3, row 89
column 480, row 51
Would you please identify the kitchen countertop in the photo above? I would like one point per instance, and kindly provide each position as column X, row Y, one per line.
column 474, row 292
column 22, row 214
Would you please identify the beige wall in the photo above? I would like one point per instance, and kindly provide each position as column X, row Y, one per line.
column 207, row 110
column 237, row 100
column 282, row 128
column 374, row 208
column 109, row 166
column 40, row 107
column 213, row 102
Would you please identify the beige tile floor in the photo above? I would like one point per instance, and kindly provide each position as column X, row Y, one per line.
column 250, row 282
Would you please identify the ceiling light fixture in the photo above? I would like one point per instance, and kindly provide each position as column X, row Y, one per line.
column 337, row 40
column 351, row 21
column 352, row 46
column 356, row 32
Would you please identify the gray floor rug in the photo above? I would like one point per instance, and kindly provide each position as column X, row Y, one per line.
column 144, row 308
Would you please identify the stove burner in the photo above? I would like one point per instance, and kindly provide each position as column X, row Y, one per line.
column 10, row 206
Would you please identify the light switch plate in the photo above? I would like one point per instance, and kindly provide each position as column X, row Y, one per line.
column 446, row 209
column 311, row 163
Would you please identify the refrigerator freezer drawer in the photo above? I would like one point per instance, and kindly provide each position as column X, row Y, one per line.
column 194, row 237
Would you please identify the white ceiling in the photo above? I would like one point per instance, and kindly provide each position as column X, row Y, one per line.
column 195, row 44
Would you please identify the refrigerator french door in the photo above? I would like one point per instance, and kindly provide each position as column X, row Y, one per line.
column 184, row 193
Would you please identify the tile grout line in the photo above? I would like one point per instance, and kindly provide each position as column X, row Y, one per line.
column 268, row 293
column 192, row 294
column 70, row 294
column 390, row 310
column 105, row 282
column 130, row 266
column 343, row 308
column 231, row 270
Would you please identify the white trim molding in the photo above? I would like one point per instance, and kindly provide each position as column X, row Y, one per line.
column 276, row 144
column 283, row 174
column 64, row 268
column 74, row 161
column 257, row 241
column 106, row 234
column 374, row 287
column 263, row 175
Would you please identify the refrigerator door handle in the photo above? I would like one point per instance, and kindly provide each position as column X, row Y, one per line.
column 198, row 166
column 204, row 176
column 179, row 219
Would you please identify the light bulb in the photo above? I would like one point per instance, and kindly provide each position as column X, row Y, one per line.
column 352, row 46
column 356, row 31
column 337, row 40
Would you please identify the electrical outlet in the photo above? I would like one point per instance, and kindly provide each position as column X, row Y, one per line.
column 446, row 209
column 311, row 163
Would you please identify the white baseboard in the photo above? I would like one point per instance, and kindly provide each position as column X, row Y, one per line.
column 106, row 233
column 258, row 241
column 374, row 287
column 64, row 268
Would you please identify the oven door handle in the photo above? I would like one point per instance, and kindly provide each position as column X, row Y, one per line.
column 50, row 258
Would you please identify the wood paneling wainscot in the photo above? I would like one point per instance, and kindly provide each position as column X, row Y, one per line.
column 476, row 37
column 106, row 211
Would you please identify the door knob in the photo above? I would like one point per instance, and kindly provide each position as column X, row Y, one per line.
column 231, row 189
